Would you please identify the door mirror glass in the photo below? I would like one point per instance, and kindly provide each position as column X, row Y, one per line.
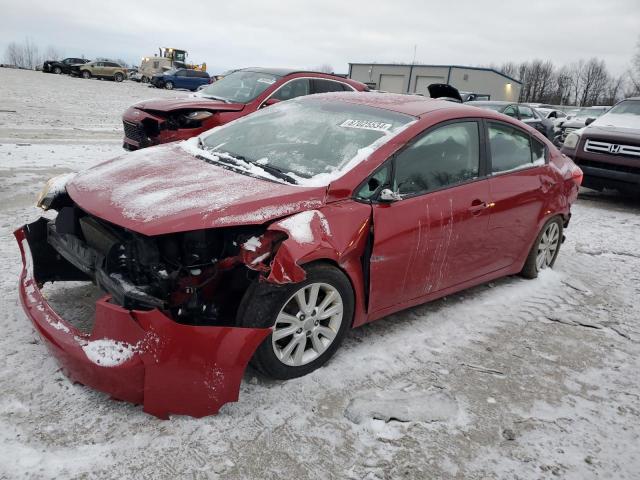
column 388, row 195
column 589, row 121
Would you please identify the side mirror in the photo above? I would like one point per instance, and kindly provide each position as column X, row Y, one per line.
column 589, row 121
column 388, row 195
column 271, row 101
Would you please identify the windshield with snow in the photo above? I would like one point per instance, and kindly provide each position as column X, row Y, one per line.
column 306, row 137
column 239, row 87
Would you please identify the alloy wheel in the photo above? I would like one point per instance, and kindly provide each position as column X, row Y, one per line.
column 308, row 324
column 548, row 246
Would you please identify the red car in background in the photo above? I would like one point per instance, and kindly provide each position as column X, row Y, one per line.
column 153, row 122
column 267, row 239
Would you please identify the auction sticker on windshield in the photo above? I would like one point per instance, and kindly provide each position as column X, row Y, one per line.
column 366, row 125
column 268, row 81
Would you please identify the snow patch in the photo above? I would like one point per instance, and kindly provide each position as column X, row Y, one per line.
column 413, row 406
column 108, row 353
column 252, row 244
column 299, row 225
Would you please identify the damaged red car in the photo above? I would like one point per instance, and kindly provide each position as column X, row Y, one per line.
column 267, row 239
column 153, row 122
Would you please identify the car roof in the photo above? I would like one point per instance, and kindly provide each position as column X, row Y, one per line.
column 414, row 105
column 491, row 102
column 281, row 72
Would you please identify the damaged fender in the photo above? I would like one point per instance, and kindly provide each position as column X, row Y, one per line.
column 143, row 356
column 311, row 236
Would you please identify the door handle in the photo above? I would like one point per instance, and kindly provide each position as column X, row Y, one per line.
column 478, row 206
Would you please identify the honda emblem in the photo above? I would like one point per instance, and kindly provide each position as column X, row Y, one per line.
column 614, row 148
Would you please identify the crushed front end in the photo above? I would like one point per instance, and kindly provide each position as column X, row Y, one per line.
column 164, row 333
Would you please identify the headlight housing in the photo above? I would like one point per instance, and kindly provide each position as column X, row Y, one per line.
column 54, row 187
column 572, row 140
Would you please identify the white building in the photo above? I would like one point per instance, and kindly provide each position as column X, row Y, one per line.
column 416, row 78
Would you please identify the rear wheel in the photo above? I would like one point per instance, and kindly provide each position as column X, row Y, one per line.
column 86, row 74
column 57, row 70
column 545, row 249
column 309, row 321
column 168, row 85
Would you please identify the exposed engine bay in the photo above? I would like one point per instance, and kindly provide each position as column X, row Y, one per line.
column 197, row 277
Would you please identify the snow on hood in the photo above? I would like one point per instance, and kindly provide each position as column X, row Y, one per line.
column 165, row 189
column 619, row 120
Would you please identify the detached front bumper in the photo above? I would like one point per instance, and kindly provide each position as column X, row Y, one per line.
column 143, row 356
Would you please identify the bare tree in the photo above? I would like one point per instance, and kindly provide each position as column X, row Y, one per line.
column 31, row 55
column 14, row 55
column 52, row 53
column 594, row 79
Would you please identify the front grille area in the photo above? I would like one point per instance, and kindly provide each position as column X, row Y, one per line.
column 600, row 146
column 134, row 131
column 609, row 166
column 567, row 131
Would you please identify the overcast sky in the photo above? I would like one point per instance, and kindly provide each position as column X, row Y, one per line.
column 299, row 33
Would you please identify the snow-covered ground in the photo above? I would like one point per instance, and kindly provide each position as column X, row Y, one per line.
column 514, row 379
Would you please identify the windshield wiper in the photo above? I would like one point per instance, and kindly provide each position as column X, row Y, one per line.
column 276, row 172
column 213, row 97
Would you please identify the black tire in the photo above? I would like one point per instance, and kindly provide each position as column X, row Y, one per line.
column 144, row 79
column 57, row 70
column 531, row 269
column 86, row 74
column 262, row 303
column 118, row 77
column 168, row 85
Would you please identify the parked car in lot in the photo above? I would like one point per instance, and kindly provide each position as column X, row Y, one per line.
column 550, row 113
column 180, row 78
column 268, row 238
column 239, row 93
column 101, row 69
column 62, row 66
column 520, row 111
column 575, row 120
column 608, row 149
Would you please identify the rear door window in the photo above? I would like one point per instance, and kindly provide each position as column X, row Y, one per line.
column 511, row 111
column 525, row 112
column 324, row 86
column 511, row 149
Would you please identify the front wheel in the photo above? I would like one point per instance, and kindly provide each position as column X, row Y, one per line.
column 309, row 320
column 57, row 70
column 168, row 85
column 545, row 249
column 144, row 79
column 118, row 77
column 86, row 74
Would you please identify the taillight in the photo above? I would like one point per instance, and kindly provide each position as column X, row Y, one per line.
column 576, row 174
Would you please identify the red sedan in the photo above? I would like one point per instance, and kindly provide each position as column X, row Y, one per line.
column 240, row 93
column 267, row 239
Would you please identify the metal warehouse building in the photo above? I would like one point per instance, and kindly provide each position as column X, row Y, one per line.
column 416, row 78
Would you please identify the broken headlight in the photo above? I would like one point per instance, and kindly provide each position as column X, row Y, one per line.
column 54, row 188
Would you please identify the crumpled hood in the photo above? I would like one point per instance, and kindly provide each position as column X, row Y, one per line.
column 171, row 104
column 165, row 189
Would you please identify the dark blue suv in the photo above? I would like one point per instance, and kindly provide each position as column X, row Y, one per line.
column 181, row 78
